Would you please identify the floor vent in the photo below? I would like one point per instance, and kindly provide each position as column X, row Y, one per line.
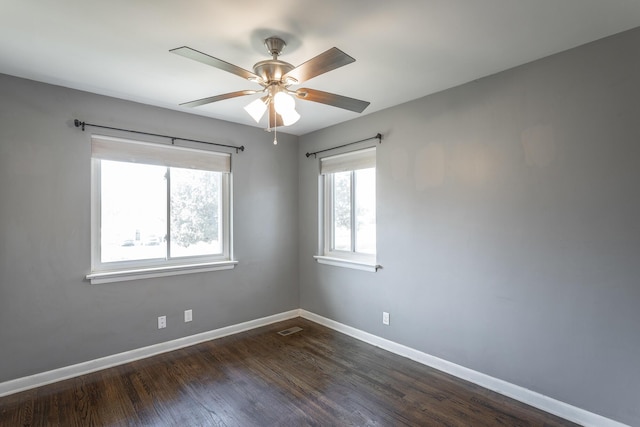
column 290, row 331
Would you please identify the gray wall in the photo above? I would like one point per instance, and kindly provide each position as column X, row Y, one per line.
column 508, row 227
column 49, row 315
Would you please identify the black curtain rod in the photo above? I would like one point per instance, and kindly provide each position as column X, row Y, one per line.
column 78, row 124
column 314, row 154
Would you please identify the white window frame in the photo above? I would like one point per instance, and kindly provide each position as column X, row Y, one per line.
column 346, row 162
column 118, row 149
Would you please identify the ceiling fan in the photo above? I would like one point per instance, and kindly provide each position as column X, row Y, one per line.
column 275, row 77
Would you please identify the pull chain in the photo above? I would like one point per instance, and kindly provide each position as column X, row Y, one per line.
column 275, row 132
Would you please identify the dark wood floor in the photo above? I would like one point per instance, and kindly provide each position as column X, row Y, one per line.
column 314, row 377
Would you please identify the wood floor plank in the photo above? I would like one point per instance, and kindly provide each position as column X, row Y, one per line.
column 314, row 377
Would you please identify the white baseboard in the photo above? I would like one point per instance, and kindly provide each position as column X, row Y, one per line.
column 537, row 400
column 44, row 378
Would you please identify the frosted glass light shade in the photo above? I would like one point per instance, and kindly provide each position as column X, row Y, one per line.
column 284, row 103
column 290, row 117
column 256, row 109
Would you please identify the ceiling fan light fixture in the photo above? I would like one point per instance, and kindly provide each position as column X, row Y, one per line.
column 257, row 108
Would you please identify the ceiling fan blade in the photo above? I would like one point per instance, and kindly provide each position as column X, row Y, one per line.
column 339, row 101
column 187, row 52
column 325, row 62
column 274, row 118
column 217, row 98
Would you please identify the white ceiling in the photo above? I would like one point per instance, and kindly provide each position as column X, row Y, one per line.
column 404, row 49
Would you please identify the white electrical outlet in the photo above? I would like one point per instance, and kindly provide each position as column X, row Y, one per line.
column 162, row 322
column 188, row 315
column 385, row 318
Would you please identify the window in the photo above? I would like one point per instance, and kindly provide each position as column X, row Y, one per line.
column 348, row 210
column 158, row 210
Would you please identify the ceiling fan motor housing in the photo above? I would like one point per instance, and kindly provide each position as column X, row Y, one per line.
column 272, row 70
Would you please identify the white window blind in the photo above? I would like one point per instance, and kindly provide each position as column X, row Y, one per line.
column 122, row 150
column 355, row 160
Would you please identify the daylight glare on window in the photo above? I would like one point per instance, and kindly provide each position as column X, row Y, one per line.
column 133, row 211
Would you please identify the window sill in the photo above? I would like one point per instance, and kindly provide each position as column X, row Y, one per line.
column 151, row 272
column 346, row 263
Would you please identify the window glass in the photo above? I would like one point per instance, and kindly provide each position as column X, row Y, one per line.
column 365, row 207
column 341, row 224
column 195, row 213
